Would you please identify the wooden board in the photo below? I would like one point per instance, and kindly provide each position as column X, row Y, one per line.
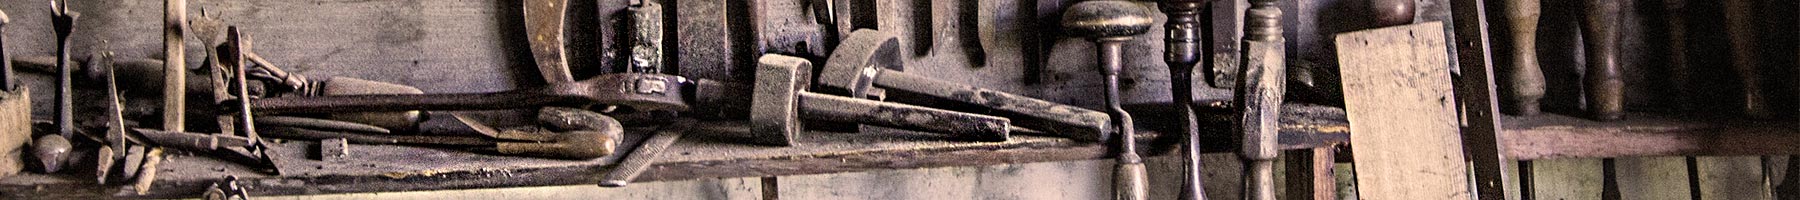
column 1652, row 177
column 1643, row 134
column 1735, row 177
column 1402, row 114
column 1566, row 179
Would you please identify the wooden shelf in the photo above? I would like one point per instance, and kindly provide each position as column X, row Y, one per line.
column 709, row 152
column 1642, row 134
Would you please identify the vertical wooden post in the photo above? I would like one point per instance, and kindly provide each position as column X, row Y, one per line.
column 1475, row 91
column 1311, row 174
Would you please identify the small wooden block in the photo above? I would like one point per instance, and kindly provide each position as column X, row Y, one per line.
column 15, row 129
column 1403, row 123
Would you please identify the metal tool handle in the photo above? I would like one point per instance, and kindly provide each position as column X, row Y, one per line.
column 646, row 154
column 1062, row 120
column 1745, row 62
column 405, row 102
column 831, row 108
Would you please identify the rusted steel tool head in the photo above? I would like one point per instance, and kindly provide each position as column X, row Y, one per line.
column 780, row 101
column 868, row 59
column 51, row 151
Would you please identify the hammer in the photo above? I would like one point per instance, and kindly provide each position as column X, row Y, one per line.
column 867, row 60
column 780, row 100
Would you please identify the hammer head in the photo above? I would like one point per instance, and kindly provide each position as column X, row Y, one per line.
column 856, row 62
column 774, row 111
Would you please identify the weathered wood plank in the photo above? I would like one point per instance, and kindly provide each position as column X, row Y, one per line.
column 1652, row 177
column 1576, row 179
column 1403, row 121
column 1735, row 177
column 1639, row 134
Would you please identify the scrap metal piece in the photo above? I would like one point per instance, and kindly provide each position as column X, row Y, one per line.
column 649, row 152
column 868, row 60
column 1109, row 24
column 544, row 25
column 227, row 189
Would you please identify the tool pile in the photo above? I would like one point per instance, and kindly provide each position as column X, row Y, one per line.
column 254, row 104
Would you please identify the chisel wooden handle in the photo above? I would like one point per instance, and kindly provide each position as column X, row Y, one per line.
column 1744, row 64
column 1605, row 89
column 1524, row 81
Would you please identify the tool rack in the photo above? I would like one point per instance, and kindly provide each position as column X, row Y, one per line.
column 1490, row 139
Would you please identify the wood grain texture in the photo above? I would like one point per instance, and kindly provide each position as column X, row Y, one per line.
column 1566, row 179
column 1404, row 126
column 1652, row 177
column 1556, row 136
column 1734, row 177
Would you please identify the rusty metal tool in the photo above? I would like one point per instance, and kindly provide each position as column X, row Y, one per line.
column 1185, row 33
column 544, row 25
column 868, row 59
column 1110, row 24
column 647, row 153
column 594, row 136
column 115, row 119
column 1259, row 95
column 1523, row 83
column 232, row 89
column 53, row 149
column 646, row 37
column 638, row 91
column 780, row 101
column 1746, row 65
column 1605, row 88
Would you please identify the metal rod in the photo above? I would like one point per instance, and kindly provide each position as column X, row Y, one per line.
column 64, row 22
column 1183, row 51
column 833, row 108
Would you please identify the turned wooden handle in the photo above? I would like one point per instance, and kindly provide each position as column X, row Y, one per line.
column 1523, row 83
column 1744, row 64
column 1600, row 37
